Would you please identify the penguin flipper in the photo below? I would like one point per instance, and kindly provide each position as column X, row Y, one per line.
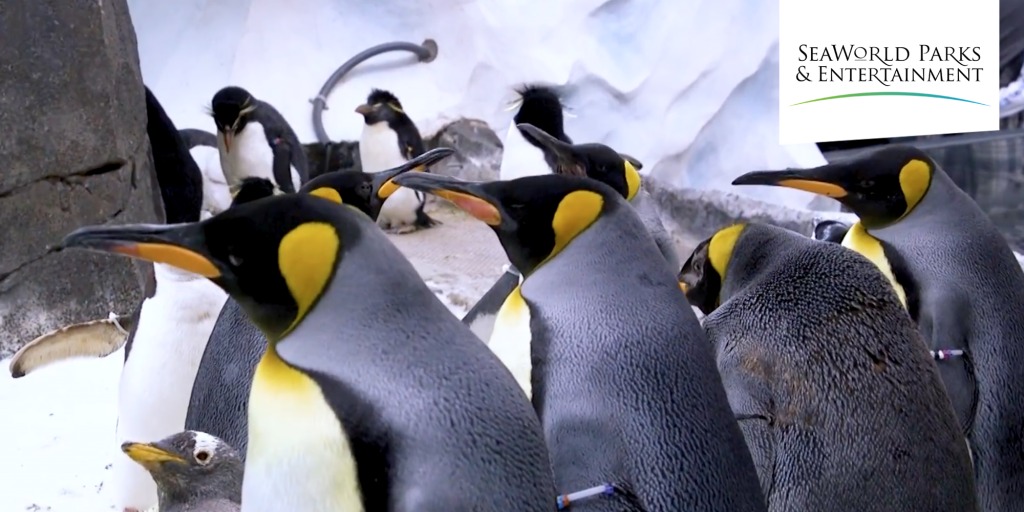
column 96, row 338
column 486, row 309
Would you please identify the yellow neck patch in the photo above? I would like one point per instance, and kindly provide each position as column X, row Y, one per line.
column 859, row 240
column 511, row 339
column 306, row 257
column 721, row 246
column 632, row 180
column 327, row 193
column 575, row 213
column 915, row 177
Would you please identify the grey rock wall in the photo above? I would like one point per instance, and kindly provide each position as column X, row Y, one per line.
column 74, row 152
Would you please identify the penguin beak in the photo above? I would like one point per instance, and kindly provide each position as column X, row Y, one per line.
column 150, row 454
column 565, row 156
column 228, row 136
column 470, row 197
column 383, row 181
column 178, row 245
column 815, row 180
column 364, row 109
column 633, row 161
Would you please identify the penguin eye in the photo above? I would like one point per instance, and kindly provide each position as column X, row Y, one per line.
column 867, row 183
column 234, row 260
column 203, row 457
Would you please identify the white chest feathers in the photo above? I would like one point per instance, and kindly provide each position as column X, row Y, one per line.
column 299, row 457
column 216, row 196
column 511, row 339
column 156, row 381
column 520, row 158
column 379, row 151
column 250, row 157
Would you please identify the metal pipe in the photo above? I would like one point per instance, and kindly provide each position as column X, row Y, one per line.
column 425, row 52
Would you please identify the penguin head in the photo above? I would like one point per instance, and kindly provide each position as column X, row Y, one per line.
column 881, row 188
column 540, row 106
column 275, row 256
column 830, row 231
column 381, row 107
column 535, row 217
column 595, row 161
column 703, row 273
column 368, row 191
column 231, row 108
column 190, row 464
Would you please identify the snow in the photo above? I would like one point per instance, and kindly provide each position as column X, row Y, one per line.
column 690, row 89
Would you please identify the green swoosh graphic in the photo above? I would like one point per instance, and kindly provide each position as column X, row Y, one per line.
column 919, row 94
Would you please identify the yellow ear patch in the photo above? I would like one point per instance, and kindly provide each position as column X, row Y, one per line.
column 816, row 187
column 172, row 255
column 721, row 246
column 915, row 177
column 306, row 257
column 472, row 205
column 576, row 212
column 327, row 193
column 632, row 180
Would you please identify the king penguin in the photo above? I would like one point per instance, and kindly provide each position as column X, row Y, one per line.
column 828, row 376
column 370, row 394
column 960, row 282
column 221, row 392
column 202, row 145
column 595, row 161
column 246, row 131
column 173, row 324
column 601, row 338
column 389, row 139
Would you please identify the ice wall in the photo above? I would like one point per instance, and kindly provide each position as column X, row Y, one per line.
column 687, row 86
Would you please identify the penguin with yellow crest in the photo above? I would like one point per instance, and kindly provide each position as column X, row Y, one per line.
column 603, row 341
column 960, row 282
column 828, row 376
column 221, row 391
column 370, row 395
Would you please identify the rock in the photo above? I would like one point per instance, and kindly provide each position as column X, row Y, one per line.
column 477, row 150
column 332, row 156
column 75, row 152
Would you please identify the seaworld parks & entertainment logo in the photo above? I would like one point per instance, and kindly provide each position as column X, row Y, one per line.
column 879, row 69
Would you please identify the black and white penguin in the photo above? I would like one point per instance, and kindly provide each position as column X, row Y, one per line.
column 390, row 139
column 202, row 145
column 247, row 129
column 523, row 155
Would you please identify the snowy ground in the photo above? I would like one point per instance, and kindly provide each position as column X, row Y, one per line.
column 59, row 421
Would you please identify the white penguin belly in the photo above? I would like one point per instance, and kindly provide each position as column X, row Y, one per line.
column 216, row 195
column 520, row 158
column 298, row 455
column 379, row 151
column 156, row 381
column 511, row 339
column 250, row 157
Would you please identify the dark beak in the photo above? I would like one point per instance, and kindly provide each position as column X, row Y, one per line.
column 383, row 181
column 816, row 180
column 364, row 109
column 633, row 161
column 563, row 153
column 178, row 245
column 470, row 197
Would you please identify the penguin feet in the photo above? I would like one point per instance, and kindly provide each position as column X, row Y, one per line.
column 402, row 229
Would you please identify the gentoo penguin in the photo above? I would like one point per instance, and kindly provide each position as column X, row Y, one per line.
column 246, row 131
column 389, row 139
column 961, row 283
column 522, row 155
column 602, row 339
column 221, row 391
column 193, row 471
column 173, row 323
column 595, row 161
column 828, row 376
column 370, row 395
column 202, row 145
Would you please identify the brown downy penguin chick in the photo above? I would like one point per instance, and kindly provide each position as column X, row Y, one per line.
column 193, row 471
column 839, row 400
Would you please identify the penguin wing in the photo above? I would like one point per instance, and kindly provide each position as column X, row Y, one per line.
column 486, row 309
column 96, row 338
column 410, row 143
column 944, row 320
